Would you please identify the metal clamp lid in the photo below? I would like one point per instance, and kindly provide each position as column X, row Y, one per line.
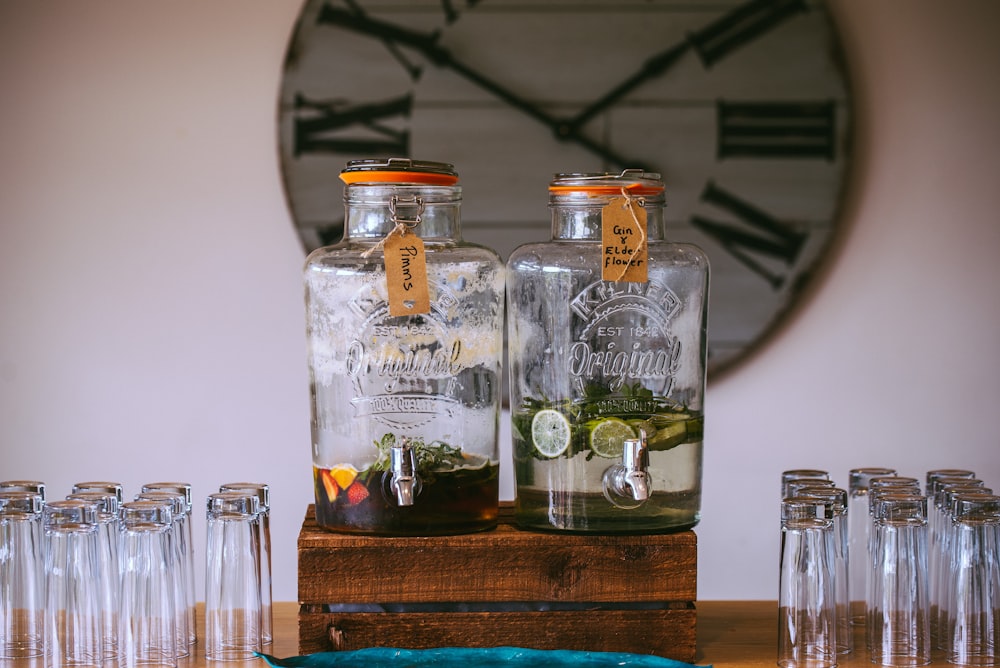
column 399, row 170
column 633, row 181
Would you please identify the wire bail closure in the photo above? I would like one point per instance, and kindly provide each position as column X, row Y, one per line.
column 401, row 226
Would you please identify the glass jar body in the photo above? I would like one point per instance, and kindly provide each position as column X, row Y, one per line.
column 430, row 380
column 605, row 360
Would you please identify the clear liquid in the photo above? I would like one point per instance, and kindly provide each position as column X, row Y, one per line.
column 566, row 493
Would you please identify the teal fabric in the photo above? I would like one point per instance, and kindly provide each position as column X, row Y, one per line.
column 467, row 657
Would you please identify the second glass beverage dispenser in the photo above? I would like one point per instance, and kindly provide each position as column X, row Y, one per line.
column 607, row 325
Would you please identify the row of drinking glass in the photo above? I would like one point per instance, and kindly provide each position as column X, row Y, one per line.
column 919, row 569
column 92, row 580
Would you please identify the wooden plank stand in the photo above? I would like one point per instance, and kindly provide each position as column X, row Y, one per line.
column 501, row 587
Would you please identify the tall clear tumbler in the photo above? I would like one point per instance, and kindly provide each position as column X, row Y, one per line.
column 177, row 505
column 72, row 597
column 21, row 576
column 185, row 540
column 835, row 504
column 232, row 593
column 807, row 625
column 898, row 617
column 940, row 567
column 148, row 635
column 106, row 506
column 974, row 593
column 858, row 531
column 263, row 493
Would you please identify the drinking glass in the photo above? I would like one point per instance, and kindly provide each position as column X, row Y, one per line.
column 72, row 597
column 898, row 626
column 935, row 522
column 807, row 625
column 835, row 503
column 974, row 594
column 148, row 634
column 858, row 531
column 263, row 493
column 177, row 505
column 21, row 576
column 232, row 590
column 946, row 499
column 185, row 537
column 106, row 507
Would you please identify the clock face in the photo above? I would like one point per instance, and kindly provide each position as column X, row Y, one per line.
column 743, row 107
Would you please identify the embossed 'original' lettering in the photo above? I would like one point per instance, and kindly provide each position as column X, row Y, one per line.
column 617, row 366
column 395, row 364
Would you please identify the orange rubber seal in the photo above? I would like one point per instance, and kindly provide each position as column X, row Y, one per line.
column 385, row 176
column 632, row 188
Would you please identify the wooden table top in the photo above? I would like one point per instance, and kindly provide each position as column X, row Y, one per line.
column 730, row 633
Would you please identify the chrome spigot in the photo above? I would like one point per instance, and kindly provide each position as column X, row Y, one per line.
column 627, row 485
column 404, row 483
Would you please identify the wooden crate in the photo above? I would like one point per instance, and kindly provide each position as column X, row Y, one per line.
column 604, row 593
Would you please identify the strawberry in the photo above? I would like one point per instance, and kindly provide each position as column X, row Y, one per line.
column 356, row 493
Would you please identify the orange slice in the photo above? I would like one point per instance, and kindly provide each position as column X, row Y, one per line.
column 343, row 475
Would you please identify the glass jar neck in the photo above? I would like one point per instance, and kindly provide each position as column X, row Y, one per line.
column 578, row 216
column 430, row 212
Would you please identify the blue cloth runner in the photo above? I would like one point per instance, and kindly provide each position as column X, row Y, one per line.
column 466, row 657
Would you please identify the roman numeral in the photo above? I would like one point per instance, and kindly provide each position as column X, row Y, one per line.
column 743, row 24
column 355, row 18
column 755, row 234
column 362, row 129
column 776, row 130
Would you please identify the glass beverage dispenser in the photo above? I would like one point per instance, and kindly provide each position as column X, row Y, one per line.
column 607, row 325
column 405, row 337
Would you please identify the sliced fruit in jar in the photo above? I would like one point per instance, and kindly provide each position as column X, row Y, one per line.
column 343, row 475
column 607, row 437
column 676, row 429
column 473, row 461
column 329, row 485
column 550, row 432
column 356, row 493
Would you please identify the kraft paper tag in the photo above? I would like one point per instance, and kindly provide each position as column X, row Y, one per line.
column 623, row 241
column 406, row 275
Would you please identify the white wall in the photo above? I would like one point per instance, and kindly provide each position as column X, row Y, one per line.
column 150, row 300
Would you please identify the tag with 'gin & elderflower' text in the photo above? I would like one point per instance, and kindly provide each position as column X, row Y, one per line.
column 623, row 241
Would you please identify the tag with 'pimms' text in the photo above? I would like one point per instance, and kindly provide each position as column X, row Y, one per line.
column 623, row 241
column 406, row 275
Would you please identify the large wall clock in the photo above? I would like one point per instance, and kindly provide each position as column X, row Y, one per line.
column 744, row 108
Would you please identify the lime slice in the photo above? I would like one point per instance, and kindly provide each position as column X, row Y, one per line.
column 550, row 432
column 607, row 438
column 669, row 436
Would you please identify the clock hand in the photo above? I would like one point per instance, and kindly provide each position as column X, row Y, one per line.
column 426, row 43
column 653, row 67
column 712, row 43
